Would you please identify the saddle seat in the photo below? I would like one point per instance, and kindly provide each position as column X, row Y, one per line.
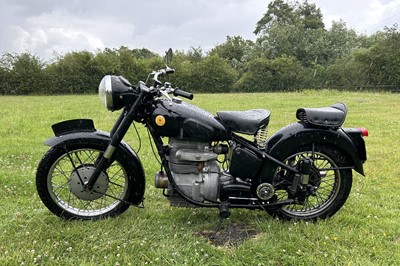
column 246, row 122
column 332, row 116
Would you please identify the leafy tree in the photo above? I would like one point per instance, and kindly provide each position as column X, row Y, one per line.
column 4, row 77
column 24, row 73
column 294, row 30
column 278, row 11
column 129, row 66
column 262, row 74
column 381, row 62
column 107, row 62
column 339, row 41
column 133, row 64
column 234, row 50
column 281, row 13
column 209, row 74
column 293, row 50
column 343, row 73
column 195, row 54
column 143, row 53
column 310, row 15
column 136, row 66
column 74, row 72
column 307, row 45
column 214, row 75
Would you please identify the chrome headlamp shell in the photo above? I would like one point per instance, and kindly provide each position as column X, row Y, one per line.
column 110, row 90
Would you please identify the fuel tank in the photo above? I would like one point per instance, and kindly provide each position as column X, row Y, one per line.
column 183, row 120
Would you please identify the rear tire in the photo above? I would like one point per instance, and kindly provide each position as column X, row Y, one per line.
column 328, row 189
column 59, row 175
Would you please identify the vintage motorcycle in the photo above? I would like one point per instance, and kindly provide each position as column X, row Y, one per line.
column 303, row 171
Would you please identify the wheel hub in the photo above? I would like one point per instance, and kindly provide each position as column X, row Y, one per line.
column 85, row 172
column 315, row 181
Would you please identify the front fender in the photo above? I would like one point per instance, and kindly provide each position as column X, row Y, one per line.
column 295, row 135
column 83, row 129
column 89, row 135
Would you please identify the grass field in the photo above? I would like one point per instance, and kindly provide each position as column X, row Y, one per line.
column 366, row 231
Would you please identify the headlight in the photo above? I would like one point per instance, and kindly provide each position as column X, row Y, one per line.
column 110, row 90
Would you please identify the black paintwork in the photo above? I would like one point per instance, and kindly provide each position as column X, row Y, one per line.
column 295, row 135
column 244, row 156
column 328, row 117
column 246, row 122
column 183, row 120
column 71, row 126
column 82, row 135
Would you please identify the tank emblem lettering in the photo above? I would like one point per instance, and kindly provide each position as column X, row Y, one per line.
column 160, row 120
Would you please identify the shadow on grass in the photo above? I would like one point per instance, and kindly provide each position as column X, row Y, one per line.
column 229, row 235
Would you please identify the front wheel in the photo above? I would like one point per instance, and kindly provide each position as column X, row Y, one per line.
column 327, row 189
column 59, row 182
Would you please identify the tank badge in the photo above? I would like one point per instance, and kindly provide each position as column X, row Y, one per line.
column 160, row 120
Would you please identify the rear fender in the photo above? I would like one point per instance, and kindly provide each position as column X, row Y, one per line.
column 283, row 142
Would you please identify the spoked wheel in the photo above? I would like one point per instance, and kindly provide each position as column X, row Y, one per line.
column 59, row 183
column 327, row 189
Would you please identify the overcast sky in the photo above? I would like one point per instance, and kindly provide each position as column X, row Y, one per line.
column 42, row 27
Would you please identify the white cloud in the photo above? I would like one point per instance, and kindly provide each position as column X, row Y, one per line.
column 56, row 25
column 365, row 16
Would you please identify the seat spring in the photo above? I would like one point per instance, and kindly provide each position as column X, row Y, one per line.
column 302, row 117
column 261, row 137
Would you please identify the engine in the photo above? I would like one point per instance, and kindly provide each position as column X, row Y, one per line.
column 195, row 169
column 197, row 173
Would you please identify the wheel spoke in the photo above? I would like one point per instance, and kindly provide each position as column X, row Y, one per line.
column 60, row 187
column 326, row 183
column 115, row 184
column 64, row 187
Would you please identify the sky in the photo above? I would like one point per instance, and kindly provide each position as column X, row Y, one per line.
column 48, row 27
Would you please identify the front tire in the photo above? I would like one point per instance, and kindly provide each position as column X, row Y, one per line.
column 59, row 175
column 328, row 189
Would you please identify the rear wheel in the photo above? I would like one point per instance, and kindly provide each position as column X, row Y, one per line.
column 327, row 189
column 59, row 183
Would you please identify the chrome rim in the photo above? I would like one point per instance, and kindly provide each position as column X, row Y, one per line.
column 323, row 184
column 64, row 187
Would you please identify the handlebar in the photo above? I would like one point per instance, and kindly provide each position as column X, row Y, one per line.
column 167, row 89
column 161, row 72
column 179, row 92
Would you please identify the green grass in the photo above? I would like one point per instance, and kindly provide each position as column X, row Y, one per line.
column 366, row 231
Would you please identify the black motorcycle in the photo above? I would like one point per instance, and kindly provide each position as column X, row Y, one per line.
column 303, row 171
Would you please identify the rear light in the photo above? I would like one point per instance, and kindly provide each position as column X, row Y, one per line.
column 364, row 132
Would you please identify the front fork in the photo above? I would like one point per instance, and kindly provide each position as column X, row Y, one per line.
column 117, row 134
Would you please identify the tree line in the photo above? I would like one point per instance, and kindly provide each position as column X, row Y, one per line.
column 293, row 50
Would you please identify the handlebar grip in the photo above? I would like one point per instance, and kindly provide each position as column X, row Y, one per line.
column 179, row 92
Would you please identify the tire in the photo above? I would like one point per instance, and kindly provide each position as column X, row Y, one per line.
column 58, row 182
column 327, row 190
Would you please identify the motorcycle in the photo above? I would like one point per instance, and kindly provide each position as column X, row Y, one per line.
column 301, row 172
